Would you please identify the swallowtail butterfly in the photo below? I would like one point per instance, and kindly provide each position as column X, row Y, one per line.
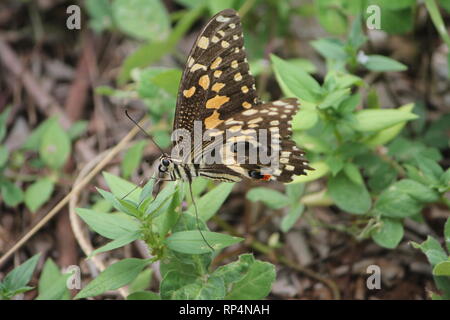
column 219, row 114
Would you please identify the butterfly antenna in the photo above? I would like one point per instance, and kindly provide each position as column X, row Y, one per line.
column 132, row 190
column 197, row 219
column 142, row 129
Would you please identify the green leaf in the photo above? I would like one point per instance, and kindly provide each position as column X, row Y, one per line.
column 349, row 104
column 168, row 80
column 334, row 98
column 144, row 295
column 335, row 163
column 147, row 191
column 199, row 185
column 304, row 119
column 271, row 198
column 396, row 204
column 397, row 21
column 191, row 242
column 442, row 269
column 166, row 221
column 109, row 225
column 379, row 119
column 161, row 199
column 356, row 37
column 33, row 141
column 132, row 158
column 100, row 14
column 352, row 172
column 235, row 271
column 211, row 202
column 153, row 51
column 3, row 117
column 176, row 286
column 121, row 188
column 216, row 6
column 390, row 234
column 11, row 194
column 384, row 136
column 381, row 63
column 256, row 284
column 77, row 129
column 394, row 5
column 433, row 250
column 320, row 170
column 38, row 193
column 21, row 275
column 294, row 213
column 52, row 284
column 55, row 146
column 294, row 81
column 142, row 19
column 114, row 277
column 330, row 49
column 332, row 19
column 447, row 234
column 312, row 142
column 382, row 177
column 429, row 167
column 294, row 192
column 348, row 195
column 116, row 243
column 416, row 190
column 141, row 282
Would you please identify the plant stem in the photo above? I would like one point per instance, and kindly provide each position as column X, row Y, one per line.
column 437, row 21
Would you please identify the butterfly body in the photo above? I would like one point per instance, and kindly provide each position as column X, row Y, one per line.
column 222, row 130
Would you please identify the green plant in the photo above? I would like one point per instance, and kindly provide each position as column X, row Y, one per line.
column 440, row 262
column 46, row 150
column 173, row 239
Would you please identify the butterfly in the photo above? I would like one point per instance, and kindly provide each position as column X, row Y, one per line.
column 219, row 115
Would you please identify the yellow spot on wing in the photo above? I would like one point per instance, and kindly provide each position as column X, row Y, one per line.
column 217, row 86
column 225, row 44
column 216, row 63
column 204, row 81
column 244, row 89
column 203, row 42
column 238, row 77
column 190, row 62
column 213, row 120
column 197, row 66
column 189, row 93
column 246, row 105
column 217, row 73
column 234, row 64
column 216, row 102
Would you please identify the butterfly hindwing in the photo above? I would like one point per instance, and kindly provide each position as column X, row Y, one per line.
column 264, row 134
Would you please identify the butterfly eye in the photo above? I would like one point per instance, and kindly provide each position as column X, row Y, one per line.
column 165, row 162
column 162, row 168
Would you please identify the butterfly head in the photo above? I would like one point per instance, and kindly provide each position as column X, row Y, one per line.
column 166, row 165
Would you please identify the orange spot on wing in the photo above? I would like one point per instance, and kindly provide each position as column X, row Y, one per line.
column 266, row 177
column 213, row 120
column 216, row 102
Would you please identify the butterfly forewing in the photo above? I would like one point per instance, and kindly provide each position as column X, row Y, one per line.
column 216, row 81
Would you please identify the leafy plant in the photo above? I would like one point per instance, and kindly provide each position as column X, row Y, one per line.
column 439, row 259
column 173, row 239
